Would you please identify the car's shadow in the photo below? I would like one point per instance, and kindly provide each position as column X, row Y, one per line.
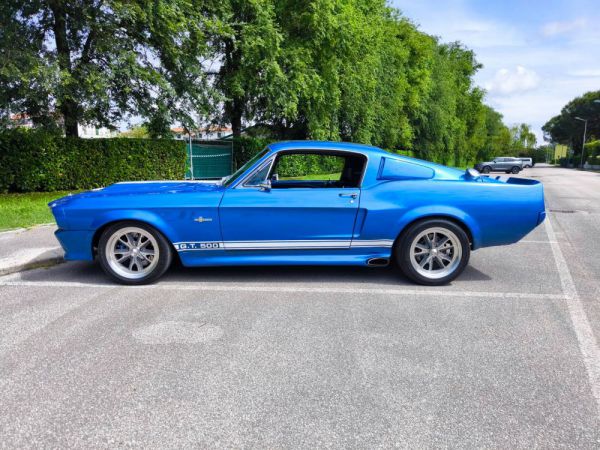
column 90, row 273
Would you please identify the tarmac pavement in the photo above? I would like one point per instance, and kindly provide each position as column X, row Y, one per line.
column 504, row 357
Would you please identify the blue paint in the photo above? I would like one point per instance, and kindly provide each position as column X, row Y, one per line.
column 302, row 225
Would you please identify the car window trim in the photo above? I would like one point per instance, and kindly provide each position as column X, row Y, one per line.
column 329, row 153
column 242, row 184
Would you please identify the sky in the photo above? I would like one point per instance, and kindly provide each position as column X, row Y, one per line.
column 536, row 55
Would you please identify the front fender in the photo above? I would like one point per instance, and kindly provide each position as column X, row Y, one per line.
column 148, row 217
column 423, row 212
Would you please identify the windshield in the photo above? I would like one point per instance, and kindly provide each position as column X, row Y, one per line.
column 231, row 178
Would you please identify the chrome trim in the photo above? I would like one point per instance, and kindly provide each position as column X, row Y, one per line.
column 243, row 184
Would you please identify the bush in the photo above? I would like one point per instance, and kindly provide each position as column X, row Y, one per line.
column 594, row 160
column 245, row 147
column 592, row 148
column 36, row 160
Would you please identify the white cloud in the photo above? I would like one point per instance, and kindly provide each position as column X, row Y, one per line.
column 555, row 28
column 508, row 81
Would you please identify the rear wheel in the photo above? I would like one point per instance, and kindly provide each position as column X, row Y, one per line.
column 515, row 170
column 433, row 252
column 134, row 253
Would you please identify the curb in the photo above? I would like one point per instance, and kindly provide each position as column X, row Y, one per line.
column 46, row 259
column 22, row 229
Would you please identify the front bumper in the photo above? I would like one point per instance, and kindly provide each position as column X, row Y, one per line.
column 77, row 244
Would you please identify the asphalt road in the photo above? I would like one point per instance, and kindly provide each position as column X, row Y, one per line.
column 505, row 357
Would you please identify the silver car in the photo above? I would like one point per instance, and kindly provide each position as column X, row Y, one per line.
column 501, row 164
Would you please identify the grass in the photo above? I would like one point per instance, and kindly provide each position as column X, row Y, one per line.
column 25, row 210
column 313, row 176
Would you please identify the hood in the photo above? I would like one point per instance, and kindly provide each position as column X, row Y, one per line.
column 142, row 188
column 156, row 187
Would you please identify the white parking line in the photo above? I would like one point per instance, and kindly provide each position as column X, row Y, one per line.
column 581, row 324
column 290, row 289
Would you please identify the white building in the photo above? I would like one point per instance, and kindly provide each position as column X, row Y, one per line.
column 210, row 133
column 94, row 132
column 22, row 120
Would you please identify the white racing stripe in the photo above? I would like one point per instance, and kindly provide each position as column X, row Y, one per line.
column 281, row 245
column 581, row 324
column 290, row 289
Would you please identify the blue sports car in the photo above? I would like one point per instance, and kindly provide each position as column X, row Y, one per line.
column 302, row 203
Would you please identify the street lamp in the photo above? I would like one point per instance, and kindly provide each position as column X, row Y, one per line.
column 584, row 131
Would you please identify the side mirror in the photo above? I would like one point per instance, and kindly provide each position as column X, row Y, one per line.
column 275, row 177
column 265, row 186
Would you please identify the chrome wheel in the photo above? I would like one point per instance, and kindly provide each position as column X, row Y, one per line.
column 132, row 252
column 435, row 253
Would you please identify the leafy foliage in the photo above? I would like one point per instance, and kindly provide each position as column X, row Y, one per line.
column 567, row 129
column 99, row 61
column 355, row 71
column 41, row 161
column 352, row 70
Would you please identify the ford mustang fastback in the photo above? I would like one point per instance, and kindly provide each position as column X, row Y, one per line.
column 302, row 203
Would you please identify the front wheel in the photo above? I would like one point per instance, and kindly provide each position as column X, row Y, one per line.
column 134, row 253
column 486, row 169
column 433, row 252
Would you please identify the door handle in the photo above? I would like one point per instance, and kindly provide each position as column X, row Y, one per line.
column 353, row 195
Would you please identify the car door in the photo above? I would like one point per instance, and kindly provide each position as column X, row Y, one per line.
column 270, row 211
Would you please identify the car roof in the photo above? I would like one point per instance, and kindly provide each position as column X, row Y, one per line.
column 326, row 145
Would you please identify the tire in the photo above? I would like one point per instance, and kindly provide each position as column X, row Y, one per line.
column 134, row 253
column 486, row 169
column 515, row 170
column 438, row 270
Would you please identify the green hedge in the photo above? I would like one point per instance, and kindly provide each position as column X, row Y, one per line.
column 244, row 148
column 34, row 160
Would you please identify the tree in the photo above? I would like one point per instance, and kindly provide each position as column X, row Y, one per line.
column 247, row 46
column 566, row 129
column 137, row 132
column 522, row 138
column 98, row 61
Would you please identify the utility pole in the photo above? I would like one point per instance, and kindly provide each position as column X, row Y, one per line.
column 585, row 121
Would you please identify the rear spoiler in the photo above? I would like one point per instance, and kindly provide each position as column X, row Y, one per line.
column 474, row 175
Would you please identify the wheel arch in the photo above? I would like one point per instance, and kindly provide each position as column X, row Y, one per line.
column 158, row 225
column 467, row 226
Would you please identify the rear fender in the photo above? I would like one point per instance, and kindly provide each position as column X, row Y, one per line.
column 450, row 212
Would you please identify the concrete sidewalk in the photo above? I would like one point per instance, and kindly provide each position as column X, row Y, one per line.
column 29, row 248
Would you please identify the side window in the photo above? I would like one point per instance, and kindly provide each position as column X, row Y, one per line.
column 317, row 170
column 258, row 177
column 309, row 167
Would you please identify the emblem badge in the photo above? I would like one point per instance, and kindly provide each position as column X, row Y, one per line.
column 202, row 219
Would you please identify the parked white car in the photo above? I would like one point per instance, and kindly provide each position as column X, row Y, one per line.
column 527, row 162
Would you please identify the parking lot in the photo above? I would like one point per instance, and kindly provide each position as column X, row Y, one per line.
column 505, row 357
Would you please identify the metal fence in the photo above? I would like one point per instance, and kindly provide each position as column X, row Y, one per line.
column 209, row 159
